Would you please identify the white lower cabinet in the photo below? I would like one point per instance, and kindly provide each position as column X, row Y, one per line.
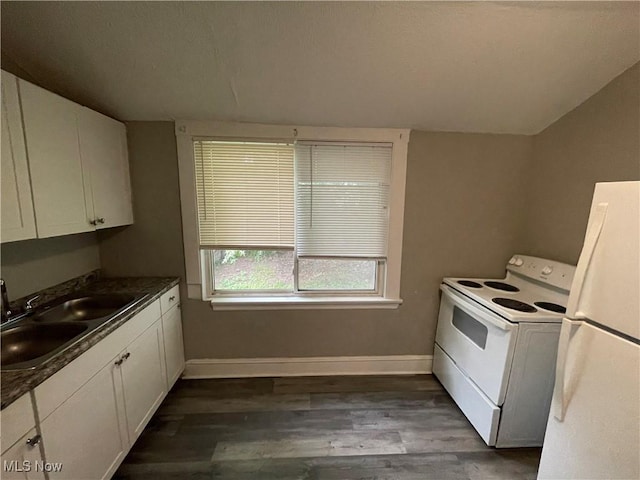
column 87, row 434
column 91, row 432
column 172, row 335
column 94, row 409
column 23, row 460
column 143, row 378
column 173, row 344
column 91, row 412
column 21, row 454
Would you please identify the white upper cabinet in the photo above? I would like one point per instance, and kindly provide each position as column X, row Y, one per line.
column 59, row 187
column 103, row 148
column 78, row 163
column 18, row 222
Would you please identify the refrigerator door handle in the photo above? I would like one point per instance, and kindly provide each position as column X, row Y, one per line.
column 560, row 401
column 596, row 222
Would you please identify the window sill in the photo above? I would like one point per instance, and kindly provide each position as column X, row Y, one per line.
column 302, row 303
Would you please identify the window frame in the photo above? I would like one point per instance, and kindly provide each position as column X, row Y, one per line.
column 295, row 290
column 388, row 281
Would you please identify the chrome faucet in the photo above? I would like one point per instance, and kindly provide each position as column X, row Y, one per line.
column 6, row 311
column 28, row 305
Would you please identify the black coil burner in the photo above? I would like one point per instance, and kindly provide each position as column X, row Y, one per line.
column 502, row 286
column 552, row 307
column 514, row 304
column 469, row 283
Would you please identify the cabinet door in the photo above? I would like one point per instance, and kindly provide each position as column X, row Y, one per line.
column 88, row 432
column 18, row 222
column 143, row 379
column 103, row 145
column 173, row 344
column 19, row 461
column 51, row 131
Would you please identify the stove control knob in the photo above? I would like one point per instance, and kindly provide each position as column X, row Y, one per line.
column 512, row 260
column 519, row 262
column 547, row 270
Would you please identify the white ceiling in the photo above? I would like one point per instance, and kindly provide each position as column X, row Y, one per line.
column 476, row 67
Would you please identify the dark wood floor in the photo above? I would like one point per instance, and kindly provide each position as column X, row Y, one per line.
column 317, row 428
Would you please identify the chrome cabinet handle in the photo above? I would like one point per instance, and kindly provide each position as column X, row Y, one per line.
column 122, row 358
column 93, row 222
column 172, row 298
column 100, row 220
column 33, row 441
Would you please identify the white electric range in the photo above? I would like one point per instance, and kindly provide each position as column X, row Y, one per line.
column 496, row 347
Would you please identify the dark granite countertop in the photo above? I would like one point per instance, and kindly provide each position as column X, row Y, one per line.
column 15, row 383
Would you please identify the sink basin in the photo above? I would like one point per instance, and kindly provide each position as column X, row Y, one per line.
column 49, row 331
column 85, row 308
column 28, row 342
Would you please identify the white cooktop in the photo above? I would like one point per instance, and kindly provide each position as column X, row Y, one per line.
column 535, row 282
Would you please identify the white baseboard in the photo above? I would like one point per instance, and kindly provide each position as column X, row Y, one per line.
column 307, row 366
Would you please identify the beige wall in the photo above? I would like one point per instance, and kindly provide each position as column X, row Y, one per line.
column 32, row 265
column 471, row 201
column 461, row 218
column 598, row 141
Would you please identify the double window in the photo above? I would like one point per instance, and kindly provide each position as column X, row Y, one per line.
column 293, row 220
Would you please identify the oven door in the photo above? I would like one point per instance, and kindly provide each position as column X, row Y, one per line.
column 480, row 342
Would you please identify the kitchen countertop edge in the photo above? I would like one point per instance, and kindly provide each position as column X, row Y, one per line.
column 15, row 383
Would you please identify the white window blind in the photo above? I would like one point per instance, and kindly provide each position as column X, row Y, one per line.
column 342, row 199
column 245, row 194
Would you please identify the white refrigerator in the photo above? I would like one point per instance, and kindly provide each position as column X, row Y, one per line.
column 593, row 430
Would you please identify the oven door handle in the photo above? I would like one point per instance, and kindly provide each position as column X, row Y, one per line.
column 479, row 314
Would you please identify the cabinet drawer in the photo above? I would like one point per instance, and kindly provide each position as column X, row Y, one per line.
column 170, row 299
column 55, row 390
column 482, row 414
column 16, row 420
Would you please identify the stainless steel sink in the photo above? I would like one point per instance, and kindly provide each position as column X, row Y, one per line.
column 26, row 342
column 54, row 328
column 85, row 308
